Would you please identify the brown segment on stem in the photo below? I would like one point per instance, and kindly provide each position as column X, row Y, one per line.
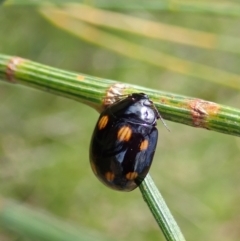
column 11, row 68
column 112, row 94
column 200, row 110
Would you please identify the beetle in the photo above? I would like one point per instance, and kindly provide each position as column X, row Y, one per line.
column 124, row 142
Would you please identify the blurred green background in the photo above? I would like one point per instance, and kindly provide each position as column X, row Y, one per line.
column 44, row 139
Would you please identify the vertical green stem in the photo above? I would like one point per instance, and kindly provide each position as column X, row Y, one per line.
column 160, row 211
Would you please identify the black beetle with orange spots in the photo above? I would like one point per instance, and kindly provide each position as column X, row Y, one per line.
column 124, row 142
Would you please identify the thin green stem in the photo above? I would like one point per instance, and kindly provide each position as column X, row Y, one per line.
column 160, row 211
column 88, row 90
column 92, row 91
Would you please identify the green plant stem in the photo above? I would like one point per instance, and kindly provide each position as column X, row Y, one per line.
column 160, row 210
column 92, row 91
column 88, row 90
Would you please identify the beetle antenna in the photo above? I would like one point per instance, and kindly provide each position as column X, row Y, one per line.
column 164, row 123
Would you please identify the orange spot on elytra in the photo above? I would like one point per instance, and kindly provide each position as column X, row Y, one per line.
column 103, row 122
column 144, row 145
column 124, row 134
column 109, row 176
column 131, row 175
